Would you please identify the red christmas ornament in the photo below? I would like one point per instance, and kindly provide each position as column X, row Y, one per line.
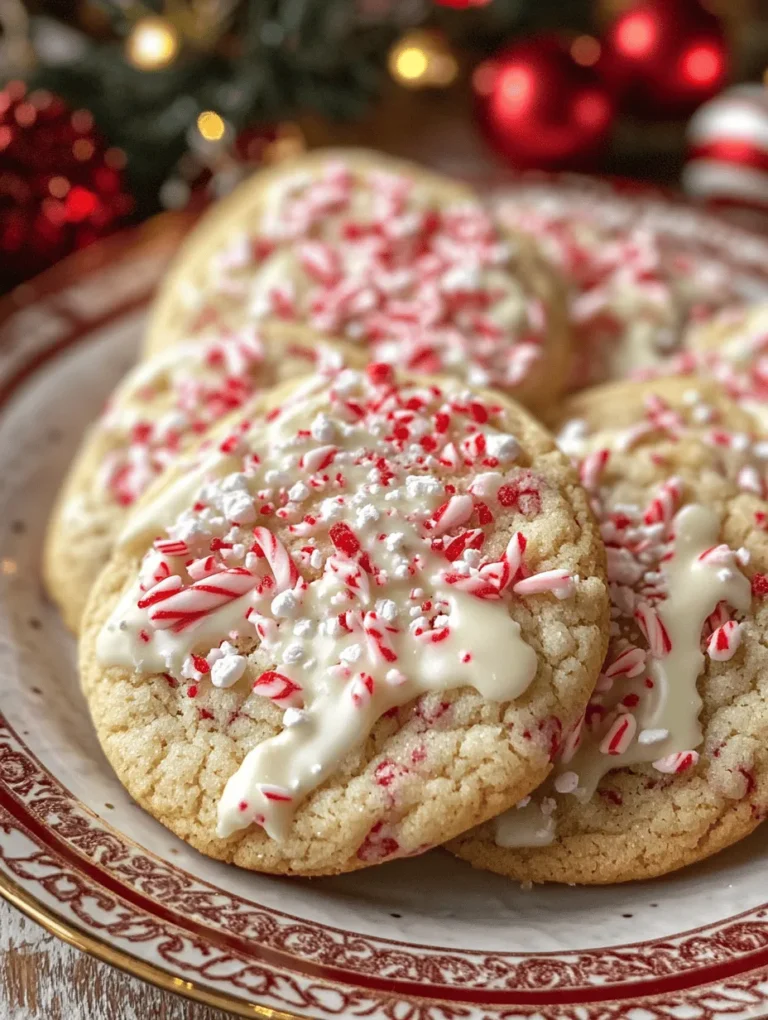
column 60, row 186
column 728, row 149
column 540, row 108
column 663, row 58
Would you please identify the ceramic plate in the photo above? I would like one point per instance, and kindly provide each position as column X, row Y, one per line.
column 420, row 939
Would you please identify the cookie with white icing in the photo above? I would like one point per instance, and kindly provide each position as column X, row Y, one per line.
column 159, row 408
column 670, row 762
column 632, row 296
column 357, row 626
column 732, row 348
column 404, row 262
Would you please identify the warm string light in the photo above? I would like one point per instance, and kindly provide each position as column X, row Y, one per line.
column 422, row 59
column 152, row 44
column 211, row 126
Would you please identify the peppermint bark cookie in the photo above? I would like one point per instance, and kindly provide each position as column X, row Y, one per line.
column 404, row 262
column 157, row 410
column 631, row 295
column 669, row 763
column 358, row 626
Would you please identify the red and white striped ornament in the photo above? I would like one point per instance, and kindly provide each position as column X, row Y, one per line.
column 728, row 149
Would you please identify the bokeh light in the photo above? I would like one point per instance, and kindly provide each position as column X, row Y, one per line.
column 152, row 44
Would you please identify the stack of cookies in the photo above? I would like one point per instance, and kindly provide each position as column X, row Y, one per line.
column 341, row 595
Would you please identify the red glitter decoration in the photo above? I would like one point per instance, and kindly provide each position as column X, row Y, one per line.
column 540, row 108
column 61, row 187
column 663, row 58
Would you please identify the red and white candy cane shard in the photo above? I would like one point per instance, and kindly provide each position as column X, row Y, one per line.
column 559, row 582
column 675, row 763
column 592, row 467
column 171, row 547
column 379, row 638
column 320, row 261
column 283, row 568
column 344, row 539
column 475, row 584
column 572, row 742
column 361, row 690
column 450, row 515
column 655, row 632
column 278, row 688
column 660, row 414
column 351, row 620
column 155, row 568
column 204, row 567
column 353, row 576
column 500, row 573
column 472, row 539
column 719, row 555
column 663, row 507
column 630, row 662
column 513, row 554
column 186, row 606
column 319, row 458
column 163, row 590
column 492, row 579
column 276, row 794
column 473, row 446
column 620, row 735
column 264, row 626
column 724, row 641
column 450, row 456
column 719, row 616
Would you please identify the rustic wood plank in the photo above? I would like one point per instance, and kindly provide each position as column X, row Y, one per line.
column 42, row 978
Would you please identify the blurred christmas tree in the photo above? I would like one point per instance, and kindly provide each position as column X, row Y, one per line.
column 126, row 106
column 166, row 77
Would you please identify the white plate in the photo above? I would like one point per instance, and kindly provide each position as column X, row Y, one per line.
column 421, row 939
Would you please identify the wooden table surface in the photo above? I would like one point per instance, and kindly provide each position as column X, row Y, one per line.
column 42, row 978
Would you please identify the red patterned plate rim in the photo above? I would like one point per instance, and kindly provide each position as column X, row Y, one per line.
column 723, row 959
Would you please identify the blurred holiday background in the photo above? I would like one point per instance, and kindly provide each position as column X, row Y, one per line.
column 113, row 110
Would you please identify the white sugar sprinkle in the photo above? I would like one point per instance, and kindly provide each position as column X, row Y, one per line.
column 652, row 736
column 227, row 671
